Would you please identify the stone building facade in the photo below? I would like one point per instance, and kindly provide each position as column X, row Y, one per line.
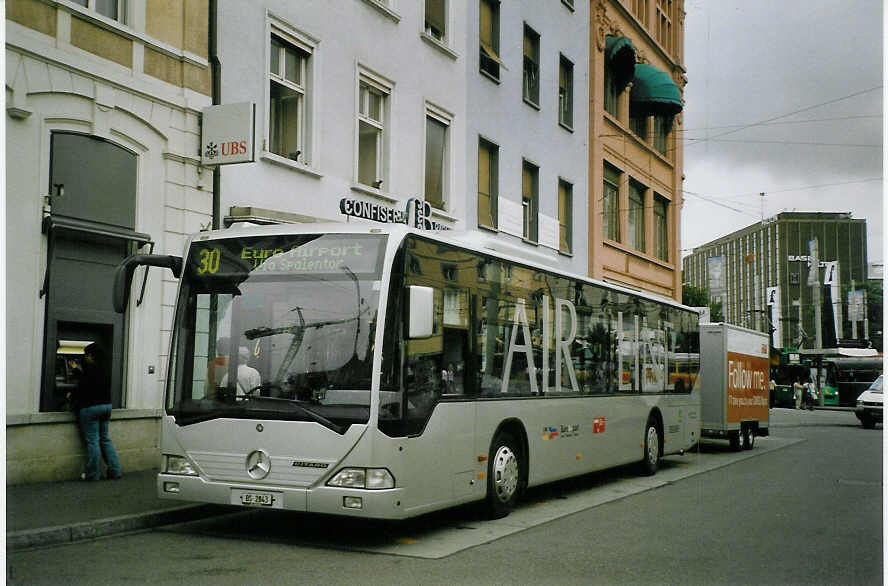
column 102, row 135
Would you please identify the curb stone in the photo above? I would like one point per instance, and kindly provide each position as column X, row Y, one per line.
column 87, row 530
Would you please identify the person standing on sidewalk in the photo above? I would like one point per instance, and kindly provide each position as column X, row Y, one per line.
column 798, row 392
column 94, row 402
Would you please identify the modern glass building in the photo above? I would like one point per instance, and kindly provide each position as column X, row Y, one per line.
column 764, row 275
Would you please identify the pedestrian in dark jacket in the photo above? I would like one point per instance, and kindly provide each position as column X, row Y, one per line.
column 94, row 403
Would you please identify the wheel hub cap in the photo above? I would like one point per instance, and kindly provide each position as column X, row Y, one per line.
column 505, row 473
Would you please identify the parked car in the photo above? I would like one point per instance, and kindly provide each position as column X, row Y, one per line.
column 869, row 405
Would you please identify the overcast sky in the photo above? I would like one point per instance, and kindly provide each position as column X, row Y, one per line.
column 783, row 97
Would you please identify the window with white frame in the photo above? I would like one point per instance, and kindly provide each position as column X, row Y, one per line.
column 288, row 84
column 436, row 19
column 113, row 9
column 436, row 164
column 371, row 132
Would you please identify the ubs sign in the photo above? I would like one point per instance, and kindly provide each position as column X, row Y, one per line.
column 227, row 134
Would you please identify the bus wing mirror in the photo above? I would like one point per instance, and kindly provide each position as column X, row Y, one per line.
column 422, row 311
column 123, row 275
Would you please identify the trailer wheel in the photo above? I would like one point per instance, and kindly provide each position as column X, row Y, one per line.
column 748, row 438
column 736, row 440
column 651, row 460
column 503, row 475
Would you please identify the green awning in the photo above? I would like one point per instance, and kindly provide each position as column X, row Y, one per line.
column 654, row 90
column 620, row 55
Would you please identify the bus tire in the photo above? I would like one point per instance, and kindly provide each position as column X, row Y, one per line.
column 503, row 475
column 651, row 460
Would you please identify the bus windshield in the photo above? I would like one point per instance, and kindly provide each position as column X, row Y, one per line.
column 277, row 327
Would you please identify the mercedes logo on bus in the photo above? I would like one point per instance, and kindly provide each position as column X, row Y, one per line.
column 258, row 464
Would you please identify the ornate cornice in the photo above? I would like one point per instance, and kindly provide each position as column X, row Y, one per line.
column 604, row 25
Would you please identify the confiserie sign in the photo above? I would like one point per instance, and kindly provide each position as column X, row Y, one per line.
column 417, row 213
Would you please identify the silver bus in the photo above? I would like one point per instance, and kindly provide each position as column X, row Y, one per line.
column 387, row 372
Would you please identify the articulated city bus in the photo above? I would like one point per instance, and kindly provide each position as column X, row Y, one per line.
column 388, row 372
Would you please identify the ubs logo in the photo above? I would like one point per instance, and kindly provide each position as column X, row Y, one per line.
column 258, row 464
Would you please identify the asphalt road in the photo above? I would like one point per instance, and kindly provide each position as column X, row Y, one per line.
column 804, row 507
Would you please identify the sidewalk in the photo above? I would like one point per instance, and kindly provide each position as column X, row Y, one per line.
column 51, row 513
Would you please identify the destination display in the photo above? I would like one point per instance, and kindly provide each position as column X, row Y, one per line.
column 328, row 254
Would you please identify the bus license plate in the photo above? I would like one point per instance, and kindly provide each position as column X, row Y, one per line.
column 256, row 499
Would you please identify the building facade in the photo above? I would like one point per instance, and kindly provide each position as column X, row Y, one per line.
column 474, row 107
column 102, row 160
column 636, row 75
column 526, row 142
column 764, row 275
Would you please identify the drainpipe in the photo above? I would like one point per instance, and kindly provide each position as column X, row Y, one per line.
column 216, row 74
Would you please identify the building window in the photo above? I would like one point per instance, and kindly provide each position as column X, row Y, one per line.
column 531, row 66
column 638, row 121
column 113, row 9
column 287, row 73
column 636, row 216
column 530, row 175
column 664, row 24
column 611, row 92
column 436, row 165
column 489, row 37
column 436, row 19
column 371, row 132
column 640, row 10
column 565, row 92
column 661, row 233
column 565, row 216
column 662, row 128
column 488, row 179
column 611, row 203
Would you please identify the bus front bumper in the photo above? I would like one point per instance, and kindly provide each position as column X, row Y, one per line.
column 375, row 504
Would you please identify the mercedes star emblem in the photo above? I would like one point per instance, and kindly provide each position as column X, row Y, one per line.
column 258, row 464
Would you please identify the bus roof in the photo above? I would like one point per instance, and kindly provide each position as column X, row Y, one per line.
column 471, row 241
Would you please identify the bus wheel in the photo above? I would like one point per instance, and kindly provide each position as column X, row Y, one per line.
column 736, row 442
column 503, row 476
column 748, row 438
column 651, row 449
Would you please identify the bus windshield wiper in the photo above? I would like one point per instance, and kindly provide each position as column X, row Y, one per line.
column 305, row 410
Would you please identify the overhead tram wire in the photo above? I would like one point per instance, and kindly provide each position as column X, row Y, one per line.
column 799, row 111
column 806, row 121
column 738, row 196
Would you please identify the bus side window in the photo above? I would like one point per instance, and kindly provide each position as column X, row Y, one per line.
column 455, row 341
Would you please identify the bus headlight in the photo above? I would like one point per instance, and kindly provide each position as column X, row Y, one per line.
column 178, row 465
column 369, row 478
